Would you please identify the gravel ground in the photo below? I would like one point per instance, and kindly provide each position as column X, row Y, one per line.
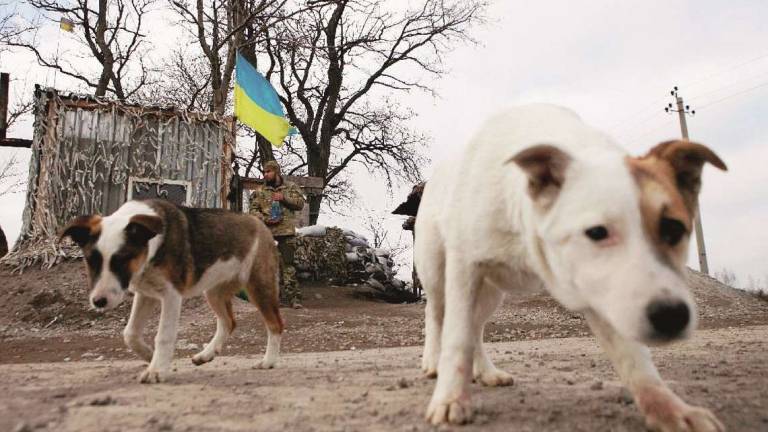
column 561, row 385
column 352, row 364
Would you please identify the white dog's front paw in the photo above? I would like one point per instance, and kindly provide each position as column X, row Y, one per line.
column 151, row 376
column 665, row 412
column 495, row 378
column 456, row 411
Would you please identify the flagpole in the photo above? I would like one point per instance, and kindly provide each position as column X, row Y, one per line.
column 65, row 24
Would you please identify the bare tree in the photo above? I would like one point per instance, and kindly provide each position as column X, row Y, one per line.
column 111, row 34
column 11, row 26
column 20, row 108
column 752, row 283
column 10, row 177
column 218, row 28
column 185, row 83
column 374, row 224
column 337, row 62
column 727, row 276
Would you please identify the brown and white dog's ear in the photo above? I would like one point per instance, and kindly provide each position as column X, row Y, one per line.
column 687, row 160
column 545, row 166
column 82, row 229
column 141, row 228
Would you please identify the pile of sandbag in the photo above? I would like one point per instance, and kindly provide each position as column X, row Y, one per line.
column 321, row 254
column 345, row 257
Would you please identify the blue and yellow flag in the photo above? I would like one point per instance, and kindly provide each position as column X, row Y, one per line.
column 66, row 24
column 257, row 104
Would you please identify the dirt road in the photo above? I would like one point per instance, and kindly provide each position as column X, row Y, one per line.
column 562, row 385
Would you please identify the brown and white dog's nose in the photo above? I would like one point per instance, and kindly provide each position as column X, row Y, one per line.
column 100, row 302
column 668, row 319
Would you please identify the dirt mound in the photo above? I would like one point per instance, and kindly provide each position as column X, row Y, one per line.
column 719, row 303
column 56, row 299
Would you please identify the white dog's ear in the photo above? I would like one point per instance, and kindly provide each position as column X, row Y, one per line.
column 545, row 166
column 687, row 160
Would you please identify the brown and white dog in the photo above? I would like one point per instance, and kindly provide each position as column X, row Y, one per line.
column 165, row 253
column 540, row 198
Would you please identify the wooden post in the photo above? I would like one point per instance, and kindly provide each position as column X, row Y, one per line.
column 4, row 97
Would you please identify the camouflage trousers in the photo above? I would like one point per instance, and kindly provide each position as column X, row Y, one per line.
column 289, row 285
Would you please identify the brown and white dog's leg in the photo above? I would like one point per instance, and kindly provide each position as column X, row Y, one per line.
column 165, row 339
column 264, row 294
column 221, row 304
column 272, row 354
column 483, row 369
column 274, row 324
column 663, row 410
column 450, row 401
column 133, row 334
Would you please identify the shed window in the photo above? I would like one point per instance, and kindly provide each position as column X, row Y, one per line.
column 175, row 191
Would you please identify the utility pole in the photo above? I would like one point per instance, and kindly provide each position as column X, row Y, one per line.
column 681, row 111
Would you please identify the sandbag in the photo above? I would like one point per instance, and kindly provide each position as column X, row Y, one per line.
column 312, row 231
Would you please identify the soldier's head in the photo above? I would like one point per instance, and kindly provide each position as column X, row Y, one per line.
column 272, row 173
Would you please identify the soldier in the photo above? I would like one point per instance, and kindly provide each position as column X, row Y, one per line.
column 276, row 203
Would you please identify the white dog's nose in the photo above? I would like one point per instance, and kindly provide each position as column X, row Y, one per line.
column 669, row 319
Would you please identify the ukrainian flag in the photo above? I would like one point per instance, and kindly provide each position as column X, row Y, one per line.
column 257, row 104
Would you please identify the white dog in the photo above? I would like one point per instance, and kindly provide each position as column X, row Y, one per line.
column 539, row 197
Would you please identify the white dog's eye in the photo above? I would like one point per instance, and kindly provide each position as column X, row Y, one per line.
column 597, row 233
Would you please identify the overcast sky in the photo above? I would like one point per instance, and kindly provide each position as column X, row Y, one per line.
column 613, row 62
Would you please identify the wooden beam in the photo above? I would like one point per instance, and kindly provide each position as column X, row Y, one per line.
column 15, row 142
column 4, row 97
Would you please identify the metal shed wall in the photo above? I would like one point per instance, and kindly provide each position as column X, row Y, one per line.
column 84, row 150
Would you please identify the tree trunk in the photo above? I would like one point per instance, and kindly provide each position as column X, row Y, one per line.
column 265, row 149
column 107, row 58
column 314, row 202
column 317, row 166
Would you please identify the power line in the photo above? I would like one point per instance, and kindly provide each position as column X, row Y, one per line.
column 627, row 119
column 635, row 124
column 637, row 138
column 728, row 86
column 727, row 69
column 734, row 95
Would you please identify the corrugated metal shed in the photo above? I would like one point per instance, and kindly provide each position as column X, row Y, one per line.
column 87, row 151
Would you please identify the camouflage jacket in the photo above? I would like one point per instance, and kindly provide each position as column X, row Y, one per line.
column 293, row 202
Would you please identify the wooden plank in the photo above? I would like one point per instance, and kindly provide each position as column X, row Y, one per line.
column 5, row 80
column 15, row 142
